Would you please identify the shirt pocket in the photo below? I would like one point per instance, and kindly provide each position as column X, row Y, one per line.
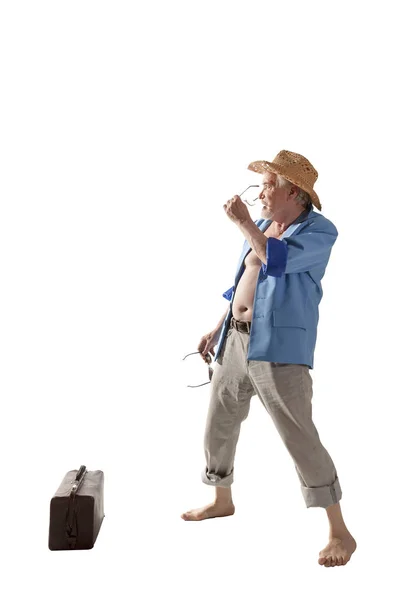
column 282, row 318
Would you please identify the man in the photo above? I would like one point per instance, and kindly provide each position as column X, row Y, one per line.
column 267, row 340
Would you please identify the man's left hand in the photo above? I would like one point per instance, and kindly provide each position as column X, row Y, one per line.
column 237, row 211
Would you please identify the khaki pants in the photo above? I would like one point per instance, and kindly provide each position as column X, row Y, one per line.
column 286, row 392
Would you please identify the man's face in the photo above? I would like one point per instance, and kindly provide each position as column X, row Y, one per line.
column 273, row 198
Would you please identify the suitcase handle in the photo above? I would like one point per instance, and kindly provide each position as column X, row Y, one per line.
column 80, row 473
column 78, row 479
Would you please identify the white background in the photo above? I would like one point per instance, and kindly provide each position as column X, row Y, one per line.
column 125, row 126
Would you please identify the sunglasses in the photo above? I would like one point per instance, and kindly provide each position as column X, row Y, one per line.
column 210, row 370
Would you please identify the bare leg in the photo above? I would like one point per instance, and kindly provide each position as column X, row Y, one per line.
column 221, row 507
column 341, row 543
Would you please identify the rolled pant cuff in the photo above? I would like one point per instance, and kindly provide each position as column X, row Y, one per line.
column 322, row 496
column 216, row 480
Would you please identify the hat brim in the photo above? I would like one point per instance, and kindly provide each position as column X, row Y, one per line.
column 262, row 166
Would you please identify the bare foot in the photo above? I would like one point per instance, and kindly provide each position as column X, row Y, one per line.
column 338, row 552
column 209, row 512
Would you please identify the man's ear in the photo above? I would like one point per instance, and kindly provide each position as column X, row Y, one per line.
column 294, row 191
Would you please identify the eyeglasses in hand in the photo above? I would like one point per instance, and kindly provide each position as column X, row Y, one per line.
column 210, row 370
column 256, row 198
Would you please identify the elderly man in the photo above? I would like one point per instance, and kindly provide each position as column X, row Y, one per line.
column 266, row 342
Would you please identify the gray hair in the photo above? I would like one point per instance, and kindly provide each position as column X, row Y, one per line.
column 302, row 197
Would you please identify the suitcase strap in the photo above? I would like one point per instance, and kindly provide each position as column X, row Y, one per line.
column 71, row 525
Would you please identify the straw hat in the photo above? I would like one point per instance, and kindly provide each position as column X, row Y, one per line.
column 293, row 167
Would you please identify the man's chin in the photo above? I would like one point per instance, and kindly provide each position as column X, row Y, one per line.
column 266, row 212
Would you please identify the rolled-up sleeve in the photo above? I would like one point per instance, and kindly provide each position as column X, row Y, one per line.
column 308, row 250
column 229, row 293
column 277, row 254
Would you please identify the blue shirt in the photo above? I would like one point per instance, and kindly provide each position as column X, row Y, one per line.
column 288, row 291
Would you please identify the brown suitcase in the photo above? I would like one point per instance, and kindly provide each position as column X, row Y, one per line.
column 77, row 510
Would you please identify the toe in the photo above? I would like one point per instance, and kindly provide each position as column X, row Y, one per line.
column 189, row 516
column 322, row 560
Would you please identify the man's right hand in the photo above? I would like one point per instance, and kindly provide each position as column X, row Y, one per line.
column 207, row 344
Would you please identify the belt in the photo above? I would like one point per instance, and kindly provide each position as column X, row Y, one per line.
column 243, row 326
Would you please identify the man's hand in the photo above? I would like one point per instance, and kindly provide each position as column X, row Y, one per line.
column 207, row 344
column 237, row 211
